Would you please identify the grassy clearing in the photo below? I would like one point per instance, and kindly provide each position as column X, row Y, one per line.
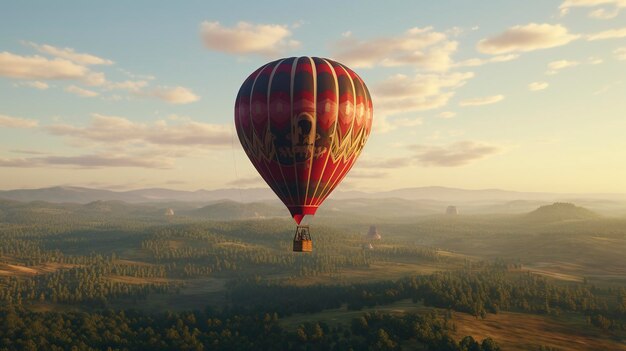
column 138, row 280
column 376, row 271
column 344, row 316
column 518, row 331
column 194, row 294
column 17, row 270
column 134, row 263
column 554, row 271
column 513, row 331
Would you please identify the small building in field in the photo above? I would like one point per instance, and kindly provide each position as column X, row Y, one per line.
column 373, row 234
column 452, row 211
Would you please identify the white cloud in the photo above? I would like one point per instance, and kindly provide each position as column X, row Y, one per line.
column 423, row 48
column 37, row 67
column 455, row 31
column 111, row 141
column 455, row 154
column 381, row 124
column 175, row 95
column 70, row 54
column 399, row 85
column 620, row 53
column 16, row 162
column 523, row 38
column 592, row 3
column 108, row 160
column 400, row 93
column 458, row 31
column 130, row 85
column 560, row 64
column 247, row 38
column 563, row 12
column 487, row 100
column 555, row 66
column 447, row 114
column 603, row 14
column 80, row 91
column 113, row 129
column 608, row 34
column 91, row 161
column 95, row 79
column 384, row 124
column 36, row 84
column 70, row 65
column 27, row 152
column 137, row 76
column 536, row 86
column 17, row 122
column 482, row 61
column 451, row 155
column 595, row 60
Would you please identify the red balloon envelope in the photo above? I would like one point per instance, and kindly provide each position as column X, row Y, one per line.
column 303, row 122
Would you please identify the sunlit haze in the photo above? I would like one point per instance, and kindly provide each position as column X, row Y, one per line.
column 516, row 95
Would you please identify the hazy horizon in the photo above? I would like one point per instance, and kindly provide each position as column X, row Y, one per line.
column 349, row 190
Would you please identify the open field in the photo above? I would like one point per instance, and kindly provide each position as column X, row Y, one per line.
column 376, row 271
column 344, row 316
column 555, row 270
column 17, row 270
column 193, row 293
column 139, row 280
column 519, row 331
column 514, row 331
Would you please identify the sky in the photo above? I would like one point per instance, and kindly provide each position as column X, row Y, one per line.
column 516, row 95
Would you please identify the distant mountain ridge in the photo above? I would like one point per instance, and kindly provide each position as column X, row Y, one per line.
column 366, row 209
column 61, row 194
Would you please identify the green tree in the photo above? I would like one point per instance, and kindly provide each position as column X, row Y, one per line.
column 383, row 341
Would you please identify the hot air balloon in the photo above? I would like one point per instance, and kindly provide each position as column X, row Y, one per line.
column 303, row 122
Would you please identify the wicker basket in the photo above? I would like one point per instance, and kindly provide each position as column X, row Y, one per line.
column 303, row 245
column 302, row 239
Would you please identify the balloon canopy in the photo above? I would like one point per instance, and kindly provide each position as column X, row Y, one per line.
column 303, row 122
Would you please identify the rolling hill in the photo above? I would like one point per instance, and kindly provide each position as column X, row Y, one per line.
column 561, row 211
column 407, row 202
